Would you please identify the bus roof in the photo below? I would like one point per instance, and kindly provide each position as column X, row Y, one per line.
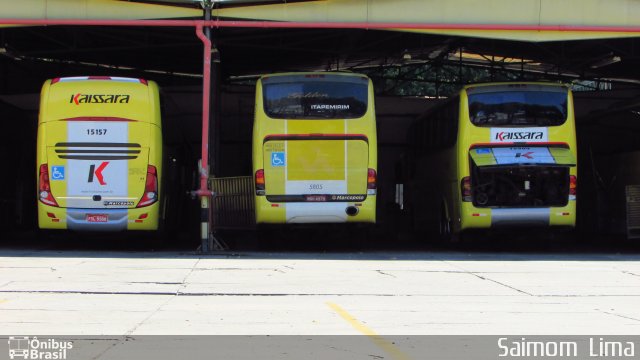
column 100, row 96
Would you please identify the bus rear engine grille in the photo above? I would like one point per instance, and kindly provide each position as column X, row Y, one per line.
column 97, row 151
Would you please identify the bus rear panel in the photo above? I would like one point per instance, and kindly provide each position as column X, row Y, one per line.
column 314, row 149
column 517, row 156
column 99, row 154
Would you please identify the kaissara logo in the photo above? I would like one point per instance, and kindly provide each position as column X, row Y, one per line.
column 519, row 135
column 81, row 98
column 97, row 172
column 503, row 136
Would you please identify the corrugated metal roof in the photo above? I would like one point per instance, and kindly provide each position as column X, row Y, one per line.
column 245, row 51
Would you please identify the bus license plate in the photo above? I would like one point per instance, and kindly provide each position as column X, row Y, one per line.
column 97, row 218
column 315, row 198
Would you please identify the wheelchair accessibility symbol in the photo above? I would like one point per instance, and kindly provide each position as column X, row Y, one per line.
column 57, row 173
column 277, row 159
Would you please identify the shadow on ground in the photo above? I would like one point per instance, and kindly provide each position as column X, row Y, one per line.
column 327, row 242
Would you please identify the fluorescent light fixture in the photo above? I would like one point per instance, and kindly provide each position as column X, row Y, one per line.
column 607, row 60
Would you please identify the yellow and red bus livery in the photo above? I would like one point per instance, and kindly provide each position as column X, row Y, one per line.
column 315, row 148
column 99, row 154
column 495, row 155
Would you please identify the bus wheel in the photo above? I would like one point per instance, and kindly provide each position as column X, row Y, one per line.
column 445, row 232
column 444, row 225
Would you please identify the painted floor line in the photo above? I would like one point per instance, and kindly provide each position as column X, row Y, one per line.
column 380, row 341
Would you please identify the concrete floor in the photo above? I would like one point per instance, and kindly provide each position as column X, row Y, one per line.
column 390, row 293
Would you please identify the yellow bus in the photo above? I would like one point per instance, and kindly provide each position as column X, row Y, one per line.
column 315, row 148
column 494, row 155
column 99, row 154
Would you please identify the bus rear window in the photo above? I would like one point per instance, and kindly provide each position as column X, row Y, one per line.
column 518, row 108
column 315, row 100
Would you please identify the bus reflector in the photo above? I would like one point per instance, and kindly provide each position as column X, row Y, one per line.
column 465, row 188
column 260, row 186
column 572, row 185
column 44, row 187
column 150, row 195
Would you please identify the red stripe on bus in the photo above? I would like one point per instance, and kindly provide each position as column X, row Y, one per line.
column 505, row 144
column 316, row 137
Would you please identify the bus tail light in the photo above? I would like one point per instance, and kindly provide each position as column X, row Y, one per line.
column 260, row 188
column 371, row 182
column 150, row 195
column 573, row 190
column 465, row 188
column 44, row 187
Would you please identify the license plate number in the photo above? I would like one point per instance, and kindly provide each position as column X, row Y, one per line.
column 316, row 198
column 97, row 218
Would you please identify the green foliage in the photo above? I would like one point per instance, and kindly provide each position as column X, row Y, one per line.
column 435, row 80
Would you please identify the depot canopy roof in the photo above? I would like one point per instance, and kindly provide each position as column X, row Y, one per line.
column 527, row 20
column 521, row 31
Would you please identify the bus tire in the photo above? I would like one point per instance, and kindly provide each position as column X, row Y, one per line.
column 445, row 228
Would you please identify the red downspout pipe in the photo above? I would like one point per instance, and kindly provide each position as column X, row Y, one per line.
column 204, row 192
column 206, row 90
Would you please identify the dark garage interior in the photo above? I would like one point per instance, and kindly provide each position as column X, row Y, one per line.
column 411, row 72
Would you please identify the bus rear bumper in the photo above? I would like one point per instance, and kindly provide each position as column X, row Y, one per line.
column 486, row 218
column 520, row 217
column 145, row 218
column 79, row 219
column 315, row 212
